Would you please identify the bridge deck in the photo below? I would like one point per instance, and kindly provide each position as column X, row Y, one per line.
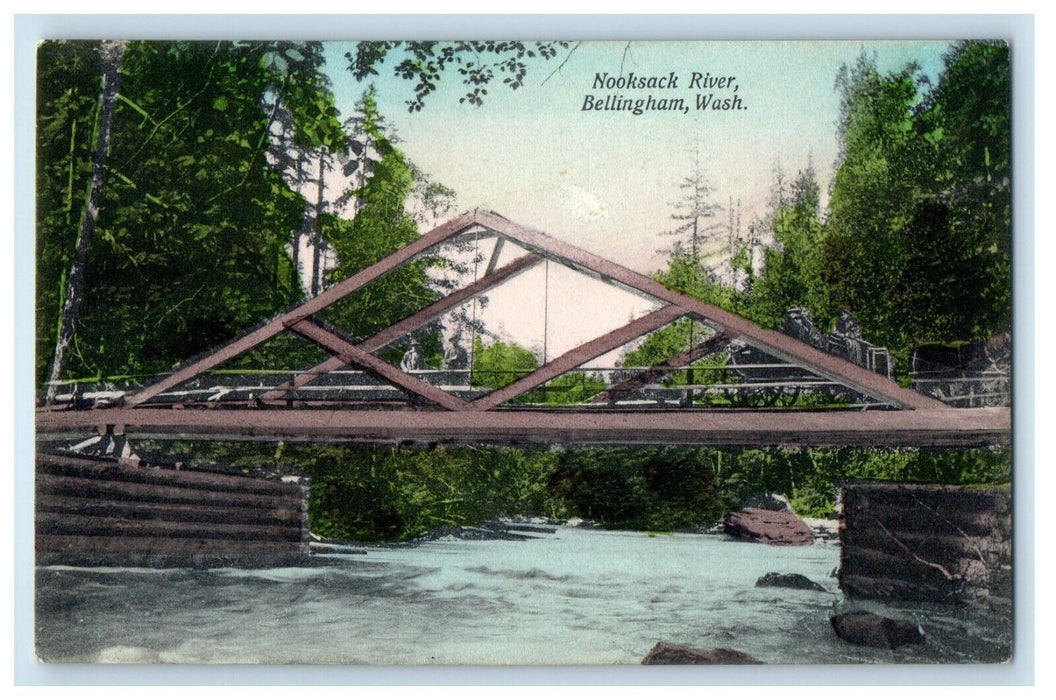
column 751, row 428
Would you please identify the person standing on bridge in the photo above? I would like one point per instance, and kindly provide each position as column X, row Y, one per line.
column 412, row 359
column 455, row 356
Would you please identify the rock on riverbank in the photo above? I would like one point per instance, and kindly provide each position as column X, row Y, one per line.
column 777, row 527
column 666, row 653
column 871, row 630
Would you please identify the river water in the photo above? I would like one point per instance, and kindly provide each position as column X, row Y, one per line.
column 575, row 597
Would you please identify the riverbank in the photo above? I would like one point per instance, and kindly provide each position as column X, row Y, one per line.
column 386, row 493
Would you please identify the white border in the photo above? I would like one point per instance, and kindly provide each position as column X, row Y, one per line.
column 1019, row 30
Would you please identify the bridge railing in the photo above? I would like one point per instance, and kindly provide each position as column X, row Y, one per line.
column 965, row 389
column 768, row 384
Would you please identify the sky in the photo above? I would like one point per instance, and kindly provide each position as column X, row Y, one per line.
column 606, row 180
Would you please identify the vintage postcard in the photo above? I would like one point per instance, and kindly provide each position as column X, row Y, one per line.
column 523, row 352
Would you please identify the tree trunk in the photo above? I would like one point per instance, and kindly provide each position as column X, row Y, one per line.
column 113, row 52
column 317, row 233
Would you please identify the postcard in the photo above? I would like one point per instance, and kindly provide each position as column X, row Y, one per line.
column 497, row 352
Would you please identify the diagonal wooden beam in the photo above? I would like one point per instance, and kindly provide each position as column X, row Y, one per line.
column 411, row 323
column 350, row 354
column 306, row 377
column 189, row 371
column 777, row 344
column 495, row 253
column 387, row 264
column 662, row 369
column 278, row 324
column 580, row 354
column 419, row 319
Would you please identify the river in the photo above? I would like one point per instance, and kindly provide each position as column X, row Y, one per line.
column 576, row 597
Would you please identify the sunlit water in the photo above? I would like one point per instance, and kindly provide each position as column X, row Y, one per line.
column 577, row 597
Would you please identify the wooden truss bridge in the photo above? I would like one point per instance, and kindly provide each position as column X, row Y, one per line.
column 360, row 393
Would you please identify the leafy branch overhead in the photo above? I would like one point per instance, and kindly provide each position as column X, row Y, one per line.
column 477, row 62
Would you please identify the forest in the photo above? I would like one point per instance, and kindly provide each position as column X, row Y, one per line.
column 169, row 221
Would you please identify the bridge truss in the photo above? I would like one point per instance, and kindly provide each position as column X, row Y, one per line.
column 359, row 393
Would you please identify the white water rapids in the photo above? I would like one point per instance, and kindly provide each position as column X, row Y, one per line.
column 576, row 597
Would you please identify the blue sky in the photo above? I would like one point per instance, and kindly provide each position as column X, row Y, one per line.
column 605, row 180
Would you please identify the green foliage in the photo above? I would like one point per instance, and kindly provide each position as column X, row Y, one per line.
column 190, row 243
column 596, row 489
column 941, row 272
column 792, row 274
column 666, row 343
column 283, row 352
column 500, row 364
column 872, row 198
column 672, row 340
column 965, row 130
column 742, row 260
column 353, row 496
column 568, row 389
column 811, row 502
column 685, row 275
column 384, row 493
column 305, row 92
column 918, row 240
column 68, row 85
column 477, row 62
column 381, row 226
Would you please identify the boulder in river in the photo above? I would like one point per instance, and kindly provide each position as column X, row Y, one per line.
column 776, row 580
column 768, row 526
column 666, row 653
column 872, row 630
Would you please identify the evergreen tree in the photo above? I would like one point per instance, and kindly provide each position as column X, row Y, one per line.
column 694, row 213
column 964, row 130
column 872, row 198
column 919, row 237
column 381, row 225
column 190, row 241
column 792, row 272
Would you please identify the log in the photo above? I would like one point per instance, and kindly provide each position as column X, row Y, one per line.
column 60, row 524
column 94, row 512
column 85, row 545
column 907, row 498
column 862, row 561
column 90, row 488
column 873, row 588
column 917, row 542
column 284, row 515
column 203, row 560
column 942, row 544
column 917, row 518
column 67, row 466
